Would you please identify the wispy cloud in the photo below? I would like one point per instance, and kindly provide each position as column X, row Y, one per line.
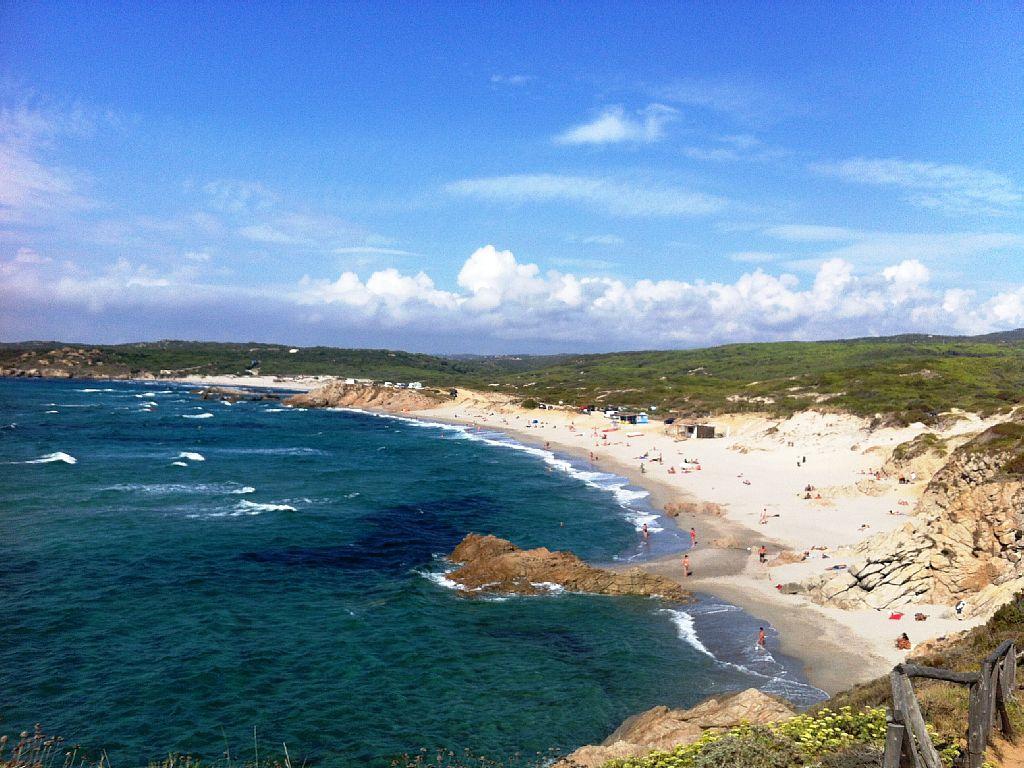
column 946, row 187
column 371, row 250
column 614, row 126
column 753, row 257
column 514, row 80
column 616, row 198
column 609, row 240
column 745, row 102
column 237, row 196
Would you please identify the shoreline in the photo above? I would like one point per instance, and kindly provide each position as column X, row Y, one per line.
column 836, row 648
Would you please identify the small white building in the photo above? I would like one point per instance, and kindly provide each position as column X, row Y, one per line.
column 415, row 385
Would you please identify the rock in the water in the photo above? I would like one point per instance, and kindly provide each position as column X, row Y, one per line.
column 662, row 728
column 490, row 564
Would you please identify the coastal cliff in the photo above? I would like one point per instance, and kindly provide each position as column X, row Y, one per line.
column 490, row 564
column 337, row 394
column 964, row 541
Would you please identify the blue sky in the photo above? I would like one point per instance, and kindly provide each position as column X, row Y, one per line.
column 510, row 178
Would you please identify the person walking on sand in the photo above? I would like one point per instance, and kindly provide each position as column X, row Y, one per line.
column 762, row 554
column 764, row 516
column 693, row 538
column 686, row 566
column 762, row 640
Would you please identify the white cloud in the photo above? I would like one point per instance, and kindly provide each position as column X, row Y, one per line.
column 612, row 197
column 613, row 126
column 502, row 301
column 30, row 256
column 947, row 187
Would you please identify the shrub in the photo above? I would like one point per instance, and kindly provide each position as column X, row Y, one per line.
column 530, row 403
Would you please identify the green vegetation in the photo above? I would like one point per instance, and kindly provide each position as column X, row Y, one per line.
column 899, row 378
column 925, row 443
column 804, row 740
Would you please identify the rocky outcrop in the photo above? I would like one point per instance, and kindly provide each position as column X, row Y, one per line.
column 337, row 394
column 700, row 508
column 662, row 728
column 964, row 541
column 490, row 564
column 234, row 395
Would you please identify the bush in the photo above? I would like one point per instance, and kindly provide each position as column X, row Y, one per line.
column 530, row 403
column 757, row 748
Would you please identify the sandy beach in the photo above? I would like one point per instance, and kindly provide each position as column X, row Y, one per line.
column 727, row 485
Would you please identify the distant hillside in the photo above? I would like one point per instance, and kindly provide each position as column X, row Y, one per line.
column 909, row 377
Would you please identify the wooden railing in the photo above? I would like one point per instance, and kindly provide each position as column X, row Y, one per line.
column 907, row 743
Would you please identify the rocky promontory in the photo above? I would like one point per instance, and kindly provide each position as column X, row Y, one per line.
column 662, row 728
column 337, row 394
column 490, row 564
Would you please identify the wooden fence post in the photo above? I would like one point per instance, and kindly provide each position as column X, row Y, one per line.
column 894, row 736
column 924, row 750
column 977, row 736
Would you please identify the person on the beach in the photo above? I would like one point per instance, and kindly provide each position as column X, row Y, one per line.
column 646, row 533
column 762, row 640
column 764, row 516
column 686, row 565
column 762, row 554
column 959, row 608
column 693, row 537
column 903, row 642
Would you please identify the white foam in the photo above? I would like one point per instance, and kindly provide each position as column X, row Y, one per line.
column 687, row 631
column 178, row 464
column 53, row 411
column 191, row 456
column 244, row 489
column 442, row 580
column 49, row 458
column 197, row 416
column 245, row 507
column 548, row 586
column 95, row 390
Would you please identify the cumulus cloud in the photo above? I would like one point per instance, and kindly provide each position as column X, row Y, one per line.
column 616, row 198
column 502, row 303
column 946, row 187
column 614, row 126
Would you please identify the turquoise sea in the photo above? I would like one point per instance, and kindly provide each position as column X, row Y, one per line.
column 176, row 572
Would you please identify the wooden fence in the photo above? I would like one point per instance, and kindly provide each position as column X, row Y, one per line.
column 907, row 743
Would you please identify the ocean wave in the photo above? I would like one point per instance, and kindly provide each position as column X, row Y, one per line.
column 52, row 411
column 777, row 681
column 245, row 507
column 687, row 631
column 95, row 390
column 178, row 464
column 167, row 489
column 191, row 456
column 197, row 416
column 50, row 458
column 441, row 579
column 275, row 451
column 627, row 498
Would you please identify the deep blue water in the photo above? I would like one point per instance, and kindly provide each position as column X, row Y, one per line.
column 292, row 580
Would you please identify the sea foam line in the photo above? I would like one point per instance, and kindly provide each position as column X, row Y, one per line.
column 603, row 481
